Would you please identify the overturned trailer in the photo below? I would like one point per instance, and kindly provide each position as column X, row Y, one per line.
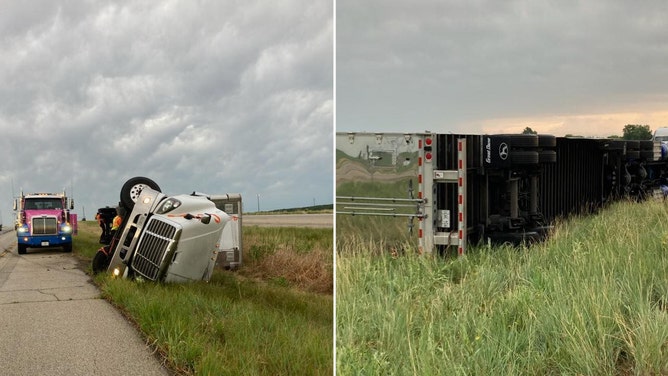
column 458, row 189
column 172, row 238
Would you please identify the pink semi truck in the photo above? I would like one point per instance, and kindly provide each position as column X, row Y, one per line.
column 44, row 220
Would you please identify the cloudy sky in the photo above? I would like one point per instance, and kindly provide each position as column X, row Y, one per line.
column 214, row 96
column 560, row 67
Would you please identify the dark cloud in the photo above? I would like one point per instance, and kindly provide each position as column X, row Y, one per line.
column 214, row 96
column 405, row 65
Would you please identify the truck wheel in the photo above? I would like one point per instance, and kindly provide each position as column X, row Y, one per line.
column 547, row 156
column 132, row 189
column 521, row 157
column 547, row 141
column 522, row 141
column 23, row 249
column 515, row 238
column 100, row 261
column 67, row 247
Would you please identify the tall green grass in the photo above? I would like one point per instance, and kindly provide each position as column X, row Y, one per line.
column 593, row 300
column 386, row 231
column 229, row 326
column 235, row 325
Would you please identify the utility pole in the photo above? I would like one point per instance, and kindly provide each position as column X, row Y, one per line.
column 258, row 202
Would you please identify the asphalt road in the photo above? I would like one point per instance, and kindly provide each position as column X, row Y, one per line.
column 289, row 220
column 53, row 321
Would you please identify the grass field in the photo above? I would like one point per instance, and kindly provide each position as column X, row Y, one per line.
column 255, row 321
column 317, row 209
column 592, row 300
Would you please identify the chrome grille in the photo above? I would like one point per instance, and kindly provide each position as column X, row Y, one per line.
column 153, row 246
column 44, row 226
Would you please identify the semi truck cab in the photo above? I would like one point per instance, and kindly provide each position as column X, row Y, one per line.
column 175, row 238
column 44, row 220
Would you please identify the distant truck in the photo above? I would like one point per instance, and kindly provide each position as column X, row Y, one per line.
column 171, row 238
column 44, row 220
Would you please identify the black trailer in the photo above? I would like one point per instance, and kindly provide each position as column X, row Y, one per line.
column 490, row 188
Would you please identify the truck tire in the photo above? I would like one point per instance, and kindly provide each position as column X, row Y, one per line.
column 547, row 156
column 515, row 239
column 132, row 189
column 100, row 261
column 522, row 141
column 547, row 141
column 521, row 157
column 23, row 249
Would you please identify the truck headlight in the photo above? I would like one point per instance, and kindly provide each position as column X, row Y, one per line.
column 66, row 229
column 22, row 229
column 168, row 205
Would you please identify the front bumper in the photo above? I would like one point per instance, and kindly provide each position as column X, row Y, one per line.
column 35, row 241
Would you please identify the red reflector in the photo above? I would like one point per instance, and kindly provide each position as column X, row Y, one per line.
column 419, row 161
column 461, row 234
column 427, row 141
column 461, row 251
column 461, row 182
column 427, row 156
column 461, row 164
column 420, row 195
column 461, row 199
column 420, row 233
column 420, row 144
column 420, row 179
column 459, row 145
column 461, row 217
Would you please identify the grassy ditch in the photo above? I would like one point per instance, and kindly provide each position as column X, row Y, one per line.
column 247, row 322
column 290, row 256
column 591, row 300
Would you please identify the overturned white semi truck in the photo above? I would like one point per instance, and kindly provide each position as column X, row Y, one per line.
column 176, row 238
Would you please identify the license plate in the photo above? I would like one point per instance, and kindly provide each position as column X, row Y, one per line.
column 45, row 244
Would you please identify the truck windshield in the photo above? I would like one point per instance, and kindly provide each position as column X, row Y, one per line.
column 43, row 203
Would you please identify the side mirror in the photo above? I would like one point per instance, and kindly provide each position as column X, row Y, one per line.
column 15, row 206
column 71, row 203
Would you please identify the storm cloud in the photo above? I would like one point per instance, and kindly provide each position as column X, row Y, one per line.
column 213, row 96
column 463, row 66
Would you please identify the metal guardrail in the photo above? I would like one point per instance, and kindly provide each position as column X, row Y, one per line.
column 380, row 206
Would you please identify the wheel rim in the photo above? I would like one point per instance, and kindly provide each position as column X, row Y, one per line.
column 136, row 191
